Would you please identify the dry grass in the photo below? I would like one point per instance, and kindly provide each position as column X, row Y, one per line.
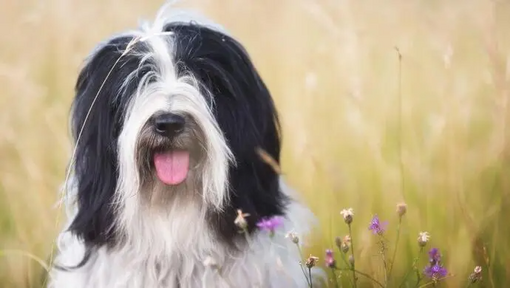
column 333, row 68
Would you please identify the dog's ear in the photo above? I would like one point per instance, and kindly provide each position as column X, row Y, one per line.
column 97, row 117
column 245, row 112
column 255, row 180
column 252, row 130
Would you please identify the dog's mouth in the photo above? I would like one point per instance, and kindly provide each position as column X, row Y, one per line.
column 169, row 149
column 172, row 166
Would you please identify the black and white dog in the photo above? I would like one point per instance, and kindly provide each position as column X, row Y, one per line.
column 167, row 120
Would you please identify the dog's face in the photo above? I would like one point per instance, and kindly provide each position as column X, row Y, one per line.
column 170, row 128
column 171, row 113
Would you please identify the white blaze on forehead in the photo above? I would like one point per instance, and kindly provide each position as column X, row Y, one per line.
column 164, row 90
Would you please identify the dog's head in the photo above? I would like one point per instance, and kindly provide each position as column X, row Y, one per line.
column 171, row 113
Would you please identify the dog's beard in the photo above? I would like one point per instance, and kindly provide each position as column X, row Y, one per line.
column 170, row 168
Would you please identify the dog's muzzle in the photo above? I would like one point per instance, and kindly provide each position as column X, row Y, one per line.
column 171, row 164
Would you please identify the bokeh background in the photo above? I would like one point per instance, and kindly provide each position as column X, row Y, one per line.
column 380, row 101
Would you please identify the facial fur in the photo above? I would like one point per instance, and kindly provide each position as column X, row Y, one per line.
column 190, row 70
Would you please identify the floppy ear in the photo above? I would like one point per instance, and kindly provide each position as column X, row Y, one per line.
column 245, row 112
column 97, row 117
column 255, row 184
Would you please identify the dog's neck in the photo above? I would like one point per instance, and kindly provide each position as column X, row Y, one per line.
column 167, row 222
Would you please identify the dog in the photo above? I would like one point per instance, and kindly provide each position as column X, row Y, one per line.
column 167, row 186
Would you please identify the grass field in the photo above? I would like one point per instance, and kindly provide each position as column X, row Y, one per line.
column 361, row 128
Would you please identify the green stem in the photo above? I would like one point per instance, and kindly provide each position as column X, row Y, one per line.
column 368, row 276
column 349, row 268
column 353, row 259
column 413, row 267
column 385, row 266
column 310, row 276
column 303, row 269
column 434, row 282
column 488, row 263
column 401, row 161
column 304, row 274
column 396, row 246
column 334, row 277
column 418, row 278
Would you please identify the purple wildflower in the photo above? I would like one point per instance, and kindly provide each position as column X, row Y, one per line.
column 435, row 272
column 434, row 256
column 376, row 226
column 270, row 224
column 330, row 259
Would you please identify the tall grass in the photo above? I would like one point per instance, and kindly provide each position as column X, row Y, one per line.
column 362, row 128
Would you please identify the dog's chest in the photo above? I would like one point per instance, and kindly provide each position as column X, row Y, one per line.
column 174, row 273
column 118, row 271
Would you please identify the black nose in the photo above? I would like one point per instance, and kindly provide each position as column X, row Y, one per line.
column 168, row 124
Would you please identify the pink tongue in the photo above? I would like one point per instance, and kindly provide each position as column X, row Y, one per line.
column 172, row 167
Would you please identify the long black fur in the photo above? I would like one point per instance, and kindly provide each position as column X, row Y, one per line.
column 246, row 114
column 243, row 108
column 98, row 113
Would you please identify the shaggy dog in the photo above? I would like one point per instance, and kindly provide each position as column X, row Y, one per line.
column 167, row 122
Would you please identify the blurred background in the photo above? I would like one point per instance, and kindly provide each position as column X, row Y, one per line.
column 405, row 100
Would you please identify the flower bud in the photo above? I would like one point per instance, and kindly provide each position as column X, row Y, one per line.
column 348, row 215
column 476, row 275
column 338, row 242
column 401, row 209
column 330, row 259
column 240, row 220
column 345, row 247
column 311, row 261
column 293, row 237
column 423, row 238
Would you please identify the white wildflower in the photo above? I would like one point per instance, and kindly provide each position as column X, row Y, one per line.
column 347, row 214
column 423, row 238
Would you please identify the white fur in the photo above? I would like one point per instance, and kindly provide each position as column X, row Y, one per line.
column 268, row 262
column 164, row 247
